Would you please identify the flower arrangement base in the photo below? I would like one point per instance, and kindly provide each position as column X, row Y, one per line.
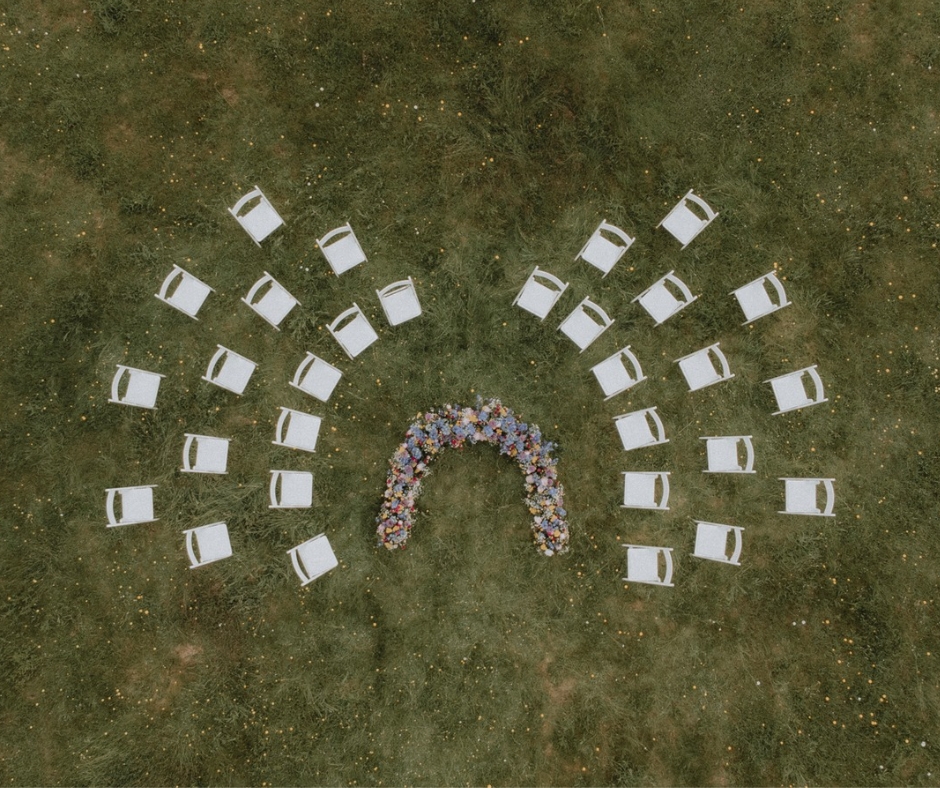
column 453, row 427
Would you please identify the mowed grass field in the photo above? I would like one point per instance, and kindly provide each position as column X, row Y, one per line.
column 467, row 142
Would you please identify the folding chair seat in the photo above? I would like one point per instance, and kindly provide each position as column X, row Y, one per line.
column 640, row 429
column 211, row 455
column 256, row 215
column 356, row 333
column 666, row 297
column 291, row 490
column 790, row 390
column 297, row 430
column 341, row 249
column 705, row 367
column 711, row 542
column 189, row 293
column 140, row 389
column 399, row 301
column 229, row 370
column 618, row 373
column 274, row 304
column 640, row 490
column 136, row 504
column 802, row 497
column 540, row 293
column 605, row 247
column 643, row 565
column 724, row 454
column 316, row 377
column 207, row 543
column 585, row 324
column 683, row 223
column 313, row 559
column 764, row 296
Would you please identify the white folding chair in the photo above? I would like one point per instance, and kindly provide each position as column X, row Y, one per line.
column 643, row 565
column 683, row 223
column 356, row 333
column 211, row 455
column 602, row 249
column 761, row 297
column 724, row 454
column 313, row 558
column 790, row 390
column 640, row 429
column 540, row 293
column 581, row 328
column 618, row 373
column 399, row 301
column 341, row 249
column 711, row 542
column 640, row 490
column 297, row 430
column 274, row 304
column 316, row 377
column 256, row 215
column 665, row 297
column 140, row 390
column 188, row 295
column 207, row 543
column 229, row 370
column 136, row 505
column 802, row 496
column 291, row 490
column 705, row 367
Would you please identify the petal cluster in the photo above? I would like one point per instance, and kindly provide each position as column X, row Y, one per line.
column 453, row 427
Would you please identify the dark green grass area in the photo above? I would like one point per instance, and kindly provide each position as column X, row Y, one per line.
column 467, row 142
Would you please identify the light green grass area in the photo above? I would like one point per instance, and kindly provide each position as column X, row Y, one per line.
column 468, row 141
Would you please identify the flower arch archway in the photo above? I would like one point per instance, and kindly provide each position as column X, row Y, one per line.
column 453, row 427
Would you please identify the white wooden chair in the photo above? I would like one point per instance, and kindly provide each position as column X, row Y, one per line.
column 802, row 497
column 665, row 297
column 643, row 565
column 256, row 215
column 353, row 331
column 761, row 297
column 136, row 505
column 399, row 301
column 316, row 377
column 605, row 247
column 724, row 454
column 274, row 303
column 705, row 367
column 640, row 429
column 618, row 373
column 207, row 543
column 585, row 324
column 229, row 370
column 341, row 249
column 711, row 542
column 640, row 490
column 313, row 559
column 297, row 430
column 189, row 293
column 683, row 223
column 291, row 490
column 211, row 455
column 140, row 388
column 790, row 390
column 540, row 293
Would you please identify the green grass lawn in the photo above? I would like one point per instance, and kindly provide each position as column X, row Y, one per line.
column 467, row 142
